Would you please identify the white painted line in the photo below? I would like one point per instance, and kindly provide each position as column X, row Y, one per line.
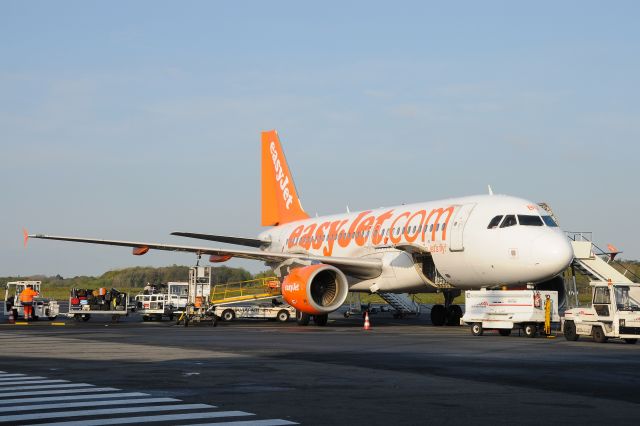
column 3, row 375
column 19, row 377
column 66, row 385
column 33, row 382
column 150, row 419
column 57, row 391
column 268, row 422
column 72, row 397
column 84, row 404
column 101, row 412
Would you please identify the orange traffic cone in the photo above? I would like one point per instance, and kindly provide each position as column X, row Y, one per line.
column 367, row 324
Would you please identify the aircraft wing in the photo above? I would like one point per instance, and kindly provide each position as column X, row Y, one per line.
column 365, row 268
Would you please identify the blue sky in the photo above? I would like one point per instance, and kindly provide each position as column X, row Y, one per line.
column 129, row 120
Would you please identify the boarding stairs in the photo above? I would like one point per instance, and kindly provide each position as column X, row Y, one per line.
column 401, row 302
column 245, row 291
column 599, row 265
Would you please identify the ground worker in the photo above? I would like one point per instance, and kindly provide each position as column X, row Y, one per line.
column 547, row 315
column 26, row 299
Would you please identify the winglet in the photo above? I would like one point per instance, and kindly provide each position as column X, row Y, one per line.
column 25, row 236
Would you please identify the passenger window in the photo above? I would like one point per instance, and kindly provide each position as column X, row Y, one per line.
column 549, row 221
column 509, row 220
column 494, row 222
column 529, row 220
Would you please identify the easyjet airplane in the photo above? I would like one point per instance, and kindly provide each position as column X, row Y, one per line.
column 446, row 246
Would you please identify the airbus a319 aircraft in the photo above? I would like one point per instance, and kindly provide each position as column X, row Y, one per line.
column 438, row 246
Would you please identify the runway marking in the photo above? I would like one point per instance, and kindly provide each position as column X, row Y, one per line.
column 66, row 385
column 118, row 405
column 150, row 419
column 58, row 391
column 72, row 397
column 84, row 404
column 270, row 422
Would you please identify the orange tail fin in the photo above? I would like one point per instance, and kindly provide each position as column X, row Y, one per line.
column 280, row 203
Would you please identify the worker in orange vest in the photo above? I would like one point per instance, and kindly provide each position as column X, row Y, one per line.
column 26, row 299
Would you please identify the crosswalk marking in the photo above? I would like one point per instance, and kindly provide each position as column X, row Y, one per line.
column 5, row 375
column 67, row 385
column 32, row 382
column 84, row 404
column 101, row 412
column 151, row 419
column 26, row 399
column 58, row 391
column 71, row 397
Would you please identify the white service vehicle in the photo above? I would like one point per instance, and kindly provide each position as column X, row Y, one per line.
column 614, row 312
column 153, row 306
column 268, row 311
column 42, row 306
column 504, row 310
column 178, row 293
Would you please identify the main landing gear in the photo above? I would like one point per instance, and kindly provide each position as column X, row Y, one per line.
column 448, row 313
column 304, row 319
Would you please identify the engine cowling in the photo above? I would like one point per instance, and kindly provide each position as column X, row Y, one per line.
column 316, row 289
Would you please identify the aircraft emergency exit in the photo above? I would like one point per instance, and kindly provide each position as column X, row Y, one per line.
column 447, row 245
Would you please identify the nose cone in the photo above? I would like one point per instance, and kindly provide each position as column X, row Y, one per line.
column 552, row 254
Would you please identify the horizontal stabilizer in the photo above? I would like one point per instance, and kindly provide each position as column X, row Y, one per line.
column 249, row 242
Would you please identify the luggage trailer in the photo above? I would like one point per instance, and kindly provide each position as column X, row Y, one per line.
column 85, row 303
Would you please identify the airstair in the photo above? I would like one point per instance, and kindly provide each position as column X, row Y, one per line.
column 596, row 263
column 401, row 302
column 245, row 291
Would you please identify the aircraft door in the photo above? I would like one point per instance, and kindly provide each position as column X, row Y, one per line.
column 456, row 242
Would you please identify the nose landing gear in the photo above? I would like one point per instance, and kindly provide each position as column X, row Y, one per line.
column 448, row 313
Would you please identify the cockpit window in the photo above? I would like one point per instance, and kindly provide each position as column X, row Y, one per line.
column 549, row 221
column 509, row 220
column 529, row 220
column 494, row 222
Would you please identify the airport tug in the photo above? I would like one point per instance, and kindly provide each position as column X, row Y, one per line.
column 614, row 312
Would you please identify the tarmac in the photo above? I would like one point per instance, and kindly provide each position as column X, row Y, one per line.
column 249, row 372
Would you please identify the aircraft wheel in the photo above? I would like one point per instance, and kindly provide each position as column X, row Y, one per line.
column 476, row 329
column 570, row 331
column 321, row 320
column 302, row 318
column 598, row 335
column 454, row 313
column 438, row 315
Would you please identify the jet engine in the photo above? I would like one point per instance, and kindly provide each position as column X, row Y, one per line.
column 316, row 289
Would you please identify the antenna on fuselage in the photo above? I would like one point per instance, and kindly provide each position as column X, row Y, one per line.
column 490, row 190
column 348, row 211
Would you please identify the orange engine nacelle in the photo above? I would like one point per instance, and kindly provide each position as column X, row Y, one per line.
column 316, row 289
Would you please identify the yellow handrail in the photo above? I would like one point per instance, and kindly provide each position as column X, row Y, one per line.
column 245, row 290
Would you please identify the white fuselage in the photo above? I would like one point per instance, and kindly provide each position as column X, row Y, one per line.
column 454, row 235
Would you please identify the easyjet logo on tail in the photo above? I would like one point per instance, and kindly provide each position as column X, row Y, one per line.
column 280, row 203
column 283, row 181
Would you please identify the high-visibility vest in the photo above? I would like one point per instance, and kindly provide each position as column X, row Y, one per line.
column 27, row 295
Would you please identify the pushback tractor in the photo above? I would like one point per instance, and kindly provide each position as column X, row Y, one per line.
column 614, row 313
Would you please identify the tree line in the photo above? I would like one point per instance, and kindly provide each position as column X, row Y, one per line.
column 139, row 276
